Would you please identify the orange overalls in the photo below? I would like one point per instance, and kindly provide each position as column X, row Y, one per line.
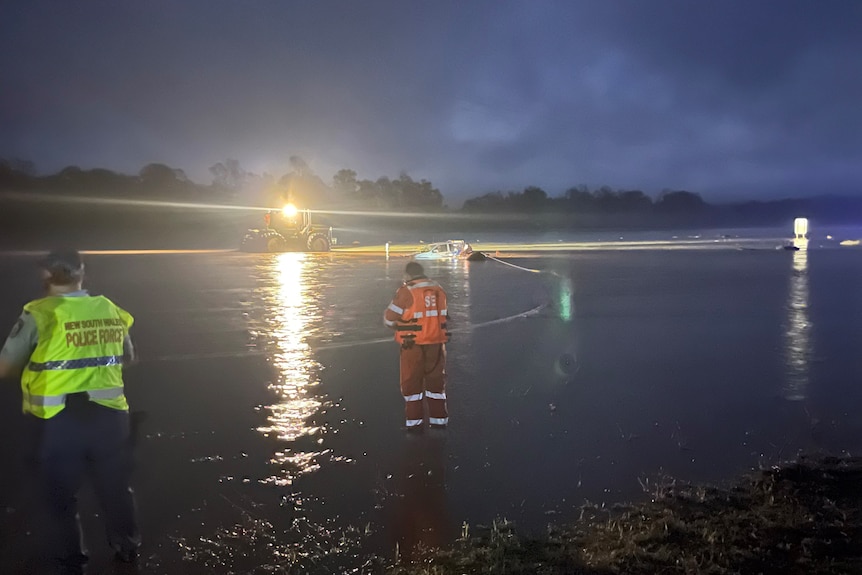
column 418, row 314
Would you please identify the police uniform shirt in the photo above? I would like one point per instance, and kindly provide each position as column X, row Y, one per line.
column 24, row 337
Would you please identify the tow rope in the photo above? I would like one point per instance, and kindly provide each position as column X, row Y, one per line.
column 532, row 271
column 346, row 344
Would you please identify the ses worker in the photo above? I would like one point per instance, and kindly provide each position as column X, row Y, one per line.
column 69, row 348
column 418, row 314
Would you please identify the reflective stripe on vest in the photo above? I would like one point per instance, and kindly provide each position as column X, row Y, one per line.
column 58, row 400
column 79, row 350
column 429, row 313
column 77, row 363
column 425, row 316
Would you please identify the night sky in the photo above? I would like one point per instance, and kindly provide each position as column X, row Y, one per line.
column 731, row 99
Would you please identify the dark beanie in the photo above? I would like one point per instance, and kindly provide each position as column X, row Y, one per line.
column 65, row 266
column 414, row 269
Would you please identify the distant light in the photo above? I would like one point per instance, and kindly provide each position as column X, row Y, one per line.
column 565, row 302
column 289, row 211
column 800, row 227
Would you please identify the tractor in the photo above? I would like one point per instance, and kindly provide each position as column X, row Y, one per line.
column 288, row 229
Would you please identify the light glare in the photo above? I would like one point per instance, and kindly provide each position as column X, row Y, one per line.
column 800, row 227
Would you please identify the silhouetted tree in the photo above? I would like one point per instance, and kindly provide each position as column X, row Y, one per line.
column 344, row 182
column 679, row 201
column 417, row 194
column 369, row 194
column 158, row 174
column 299, row 166
column 606, row 199
column 387, row 193
column 70, row 172
column 491, row 202
column 229, row 176
column 579, row 199
column 163, row 181
column 16, row 174
column 634, row 201
column 98, row 181
column 302, row 186
column 534, row 195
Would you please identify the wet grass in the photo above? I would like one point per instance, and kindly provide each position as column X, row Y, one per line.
column 800, row 517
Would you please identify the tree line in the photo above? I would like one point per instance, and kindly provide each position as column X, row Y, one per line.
column 581, row 199
column 231, row 183
column 301, row 185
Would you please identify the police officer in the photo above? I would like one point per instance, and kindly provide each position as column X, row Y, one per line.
column 418, row 314
column 69, row 348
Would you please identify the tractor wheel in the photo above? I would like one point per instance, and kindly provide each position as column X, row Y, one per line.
column 318, row 243
column 253, row 241
column 276, row 243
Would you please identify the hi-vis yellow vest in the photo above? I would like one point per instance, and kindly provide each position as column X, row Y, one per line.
column 80, row 349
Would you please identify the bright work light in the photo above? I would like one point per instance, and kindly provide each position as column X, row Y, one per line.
column 800, row 227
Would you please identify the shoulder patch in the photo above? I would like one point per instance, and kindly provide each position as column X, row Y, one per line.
column 16, row 329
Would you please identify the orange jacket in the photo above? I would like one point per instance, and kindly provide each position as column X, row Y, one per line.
column 418, row 313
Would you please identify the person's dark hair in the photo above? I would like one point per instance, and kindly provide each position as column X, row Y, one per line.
column 65, row 266
column 414, row 270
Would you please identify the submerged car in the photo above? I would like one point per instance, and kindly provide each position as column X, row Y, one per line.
column 448, row 250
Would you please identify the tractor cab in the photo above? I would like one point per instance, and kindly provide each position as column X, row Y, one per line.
column 289, row 229
column 288, row 220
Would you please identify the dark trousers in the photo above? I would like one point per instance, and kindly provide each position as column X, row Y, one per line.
column 85, row 438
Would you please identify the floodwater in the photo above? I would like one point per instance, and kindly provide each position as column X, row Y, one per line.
column 270, row 440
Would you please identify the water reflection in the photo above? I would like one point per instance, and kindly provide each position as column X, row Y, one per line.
column 465, row 282
column 290, row 306
column 421, row 518
column 455, row 278
column 459, row 298
column 798, row 334
column 565, row 299
column 562, row 288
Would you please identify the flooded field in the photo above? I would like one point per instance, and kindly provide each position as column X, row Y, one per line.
column 269, row 417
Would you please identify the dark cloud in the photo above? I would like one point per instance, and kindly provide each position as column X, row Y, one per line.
column 731, row 99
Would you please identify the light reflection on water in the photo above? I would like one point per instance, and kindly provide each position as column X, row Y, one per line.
column 289, row 307
column 288, row 316
column 798, row 334
column 290, row 296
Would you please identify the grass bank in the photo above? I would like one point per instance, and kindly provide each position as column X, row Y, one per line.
column 801, row 517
